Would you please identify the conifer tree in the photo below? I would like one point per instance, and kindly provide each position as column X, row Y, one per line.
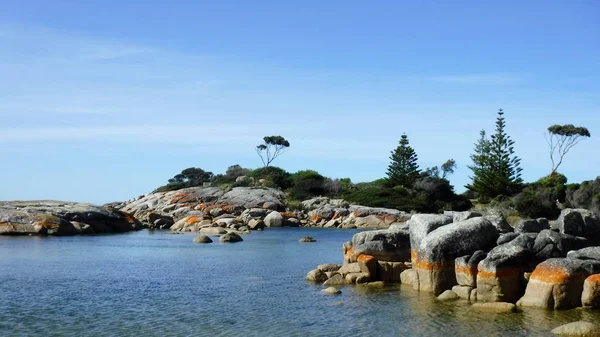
column 403, row 169
column 495, row 167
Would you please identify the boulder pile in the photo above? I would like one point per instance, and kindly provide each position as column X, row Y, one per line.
column 476, row 258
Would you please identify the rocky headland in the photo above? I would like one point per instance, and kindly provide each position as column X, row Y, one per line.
column 480, row 259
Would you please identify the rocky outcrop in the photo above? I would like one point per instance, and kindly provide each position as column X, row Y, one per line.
column 435, row 270
column 558, row 283
column 47, row 217
column 532, row 225
column 384, row 245
column 579, row 222
column 422, row 224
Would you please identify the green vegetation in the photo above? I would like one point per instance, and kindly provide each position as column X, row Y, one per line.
column 495, row 167
column 561, row 139
column 403, row 169
column 271, row 148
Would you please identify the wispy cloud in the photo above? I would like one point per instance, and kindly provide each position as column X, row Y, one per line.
column 482, row 79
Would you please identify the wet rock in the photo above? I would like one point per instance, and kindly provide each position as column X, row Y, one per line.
column 332, row 291
column 213, row 231
column 463, row 292
column 448, row 295
column 307, row 239
column 558, row 283
column 316, row 275
column 578, row 329
column 202, row 239
column 407, row 277
column 230, row 237
column 390, row 271
column 349, row 268
column 440, row 248
column 496, row 307
column 329, row 267
column 590, row 297
column 335, row 280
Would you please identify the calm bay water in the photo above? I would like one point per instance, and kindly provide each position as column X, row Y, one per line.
column 149, row 283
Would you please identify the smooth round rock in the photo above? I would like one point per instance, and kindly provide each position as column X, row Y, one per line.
column 331, row 291
column 202, row 239
column 579, row 328
column 448, row 295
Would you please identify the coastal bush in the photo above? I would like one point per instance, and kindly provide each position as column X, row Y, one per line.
column 273, row 176
column 190, row 177
column 585, row 195
column 232, row 173
column 307, row 184
column 542, row 198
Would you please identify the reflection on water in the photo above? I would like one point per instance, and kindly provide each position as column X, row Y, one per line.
column 153, row 284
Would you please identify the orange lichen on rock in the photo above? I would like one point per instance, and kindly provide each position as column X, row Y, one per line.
column 287, row 215
column 315, row 218
column 549, row 274
column 502, row 273
column 192, row 220
column 349, row 255
column 414, row 255
column 593, row 279
column 386, row 218
column 426, row 265
column 365, row 258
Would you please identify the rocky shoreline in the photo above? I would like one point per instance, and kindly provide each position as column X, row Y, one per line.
column 478, row 259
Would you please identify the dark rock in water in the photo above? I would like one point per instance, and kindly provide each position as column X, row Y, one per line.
column 307, row 239
column 589, row 253
column 558, row 283
column 202, row 239
column 440, row 248
column 505, row 238
column 316, row 275
column 532, row 226
column 579, row 222
column 47, row 217
column 550, row 244
column 230, row 237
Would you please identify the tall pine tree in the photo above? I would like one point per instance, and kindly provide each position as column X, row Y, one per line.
column 495, row 167
column 403, row 169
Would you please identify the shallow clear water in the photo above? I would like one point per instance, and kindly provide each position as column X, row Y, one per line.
column 149, row 283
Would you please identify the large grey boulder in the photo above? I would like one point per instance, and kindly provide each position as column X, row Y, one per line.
column 422, row 224
column 558, row 283
column 274, row 219
column 384, row 245
column 549, row 244
column 250, row 197
column 531, row 225
column 439, row 249
column 46, row 217
column 499, row 274
column 496, row 217
column 579, row 222
column 589, row 253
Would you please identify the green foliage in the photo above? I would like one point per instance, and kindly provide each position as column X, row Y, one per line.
column 442, row 172
column 495, row 167
column 273, row 175
column 190, row 177
column 428, row 194
column 232, row 173
column 561, row 139
column 585, row 195
column 271, row 148
column 306, row 184
column 542, row 198
column 403, row 169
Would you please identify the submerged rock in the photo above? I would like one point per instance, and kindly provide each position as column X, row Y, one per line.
column 332, row 291
column 307, row 239
column 497, row 307
column 202, row 239
column 578, row 329
column 230, row 237
column 316, row 275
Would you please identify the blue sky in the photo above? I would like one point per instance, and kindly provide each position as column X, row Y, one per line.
column 104, row 101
